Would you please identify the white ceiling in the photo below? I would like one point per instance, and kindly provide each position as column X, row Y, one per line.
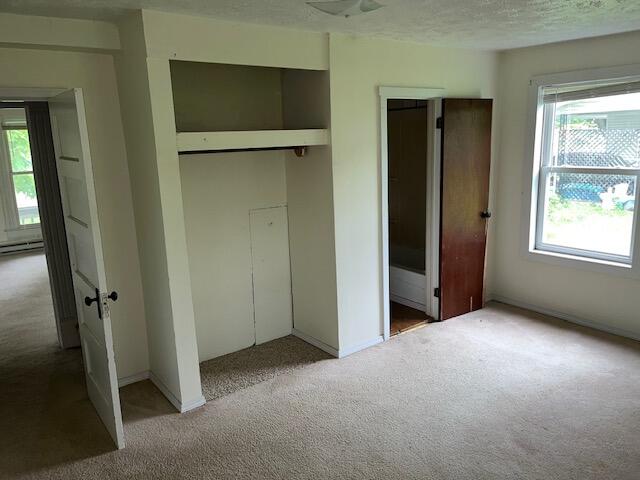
column 483, row 24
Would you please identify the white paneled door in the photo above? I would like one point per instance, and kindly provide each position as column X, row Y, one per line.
column 93, row 299
column 271, row 273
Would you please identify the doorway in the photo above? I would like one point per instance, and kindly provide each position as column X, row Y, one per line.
column 408, row 156
column 27, row 322
column 47, row 182
column 410, row 206
column 435, row 162
column 43, row 391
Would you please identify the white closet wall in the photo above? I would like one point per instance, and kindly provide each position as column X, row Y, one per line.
column 211, row 97
column 219, row 190
column 271, row 273
column 251, row 257
column 310, row 197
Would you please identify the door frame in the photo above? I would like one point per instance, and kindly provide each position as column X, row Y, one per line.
column 18, row 97
column 433, row 198
column 54, row 233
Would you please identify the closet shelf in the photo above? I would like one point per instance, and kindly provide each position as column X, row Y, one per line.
column 250, row 140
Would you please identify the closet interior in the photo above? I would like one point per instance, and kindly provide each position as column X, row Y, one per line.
column 254, row 165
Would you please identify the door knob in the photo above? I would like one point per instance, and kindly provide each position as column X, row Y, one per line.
column 88, row 300
column 485, row 214
column 113, row 296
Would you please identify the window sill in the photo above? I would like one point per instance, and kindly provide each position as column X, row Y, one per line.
column 22, row 228
column 584, row 263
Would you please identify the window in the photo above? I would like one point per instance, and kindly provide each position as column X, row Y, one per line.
column 20, row 199
column 24, row 186
column 587, row 170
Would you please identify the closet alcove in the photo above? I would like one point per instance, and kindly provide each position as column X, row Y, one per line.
column 258, row 217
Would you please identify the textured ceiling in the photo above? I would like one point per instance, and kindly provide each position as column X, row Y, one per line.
column 484, row 24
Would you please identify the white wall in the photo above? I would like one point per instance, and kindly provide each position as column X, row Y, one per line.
column 95, row 74
column 214, row 97
column 149, row 40
column 611, row 302
column 205, row 39
column 63, row 33
column 218, row 192
column 147, row 113
column 357, row 67
column 161, row 219
column 310, row 198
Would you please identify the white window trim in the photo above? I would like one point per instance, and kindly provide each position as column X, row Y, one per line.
column 530, row 209
column 12, row 217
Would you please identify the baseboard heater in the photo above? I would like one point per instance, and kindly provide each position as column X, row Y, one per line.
column 21, row 247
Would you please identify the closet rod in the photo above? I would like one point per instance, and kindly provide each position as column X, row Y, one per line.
column 399, row 109
column 299, row 151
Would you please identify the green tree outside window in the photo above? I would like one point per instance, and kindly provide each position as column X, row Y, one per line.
column 21, row 162
column 22, row 175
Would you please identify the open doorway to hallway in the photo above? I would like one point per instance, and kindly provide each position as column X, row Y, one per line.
column 42, row 393
column 55, row 299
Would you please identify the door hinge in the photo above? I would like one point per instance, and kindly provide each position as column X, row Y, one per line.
column 439, row 122
column 436, row 292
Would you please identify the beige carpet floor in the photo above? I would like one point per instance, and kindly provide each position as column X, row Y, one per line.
column 239, row 370
column 498, row 394
column 46, row 418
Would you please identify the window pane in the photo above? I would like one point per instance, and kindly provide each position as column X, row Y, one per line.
column 597, row 132
column 589, row 212
column 19, row 150
column 26, row 199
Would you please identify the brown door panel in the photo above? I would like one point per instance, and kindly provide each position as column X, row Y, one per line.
column 466, row 160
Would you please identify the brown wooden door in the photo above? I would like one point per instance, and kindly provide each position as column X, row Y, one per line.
column 466, row 159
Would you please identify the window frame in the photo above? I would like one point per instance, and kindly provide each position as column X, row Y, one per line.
column 535, row 179
column 17, row 120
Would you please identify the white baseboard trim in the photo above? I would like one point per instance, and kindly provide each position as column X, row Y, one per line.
column 343, row 352
column 315, row 342
column 180, row 406
column 193, row 404
column 340, row 353
column 407, row 302
column 136, row 377
column 21, row 247
column 165, row 391
column 565, row 316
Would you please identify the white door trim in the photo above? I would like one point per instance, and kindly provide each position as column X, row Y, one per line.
column 25, row 94
column 387, row 93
